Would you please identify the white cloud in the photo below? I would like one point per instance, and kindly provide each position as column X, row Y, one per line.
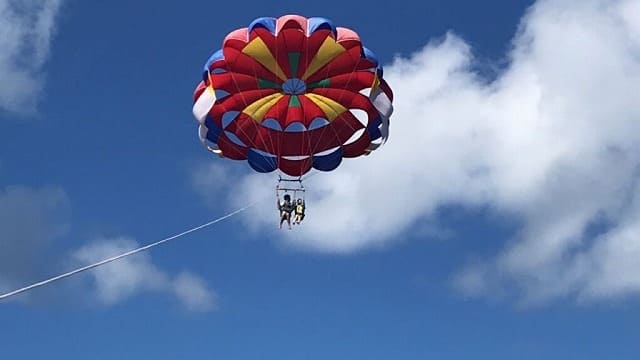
column 125, row 278
column 552, row 142
column 26, row 31
column 30, row 220
column 193, row 293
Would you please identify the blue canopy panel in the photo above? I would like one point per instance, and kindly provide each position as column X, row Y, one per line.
column 261, row 162
column 328, row 162
column 218, row 55
column 374, row 129
column 319, row 23
column 371, row 56
column 213, row 130
column 268, row 23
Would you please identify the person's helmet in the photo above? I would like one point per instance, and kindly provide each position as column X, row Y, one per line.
column 287, row 197
column 299, row 201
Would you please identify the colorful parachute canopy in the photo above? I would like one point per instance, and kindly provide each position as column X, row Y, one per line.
column 292, row 93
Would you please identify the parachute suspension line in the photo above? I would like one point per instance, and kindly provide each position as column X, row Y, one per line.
column 313, row 150
column 351, row 74
column 324, row 128
column 343, row 90
column 120, row 256
column 302, row 143
column 276, row 158
column 279, row 139
column 246, row 103
column 306, row 143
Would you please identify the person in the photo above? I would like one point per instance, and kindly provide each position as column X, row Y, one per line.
column 299, row 212
column 286, row 208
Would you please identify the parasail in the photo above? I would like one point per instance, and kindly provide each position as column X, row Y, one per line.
column 292, row 94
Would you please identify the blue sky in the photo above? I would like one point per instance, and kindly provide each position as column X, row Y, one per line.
column 499, row 221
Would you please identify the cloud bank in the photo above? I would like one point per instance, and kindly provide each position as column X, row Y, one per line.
column 26, row 30
column 552, row 142
column 30, row 220
column 121, row 280
column 33, row 225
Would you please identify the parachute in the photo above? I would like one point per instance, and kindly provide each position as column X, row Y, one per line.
column 292, row 94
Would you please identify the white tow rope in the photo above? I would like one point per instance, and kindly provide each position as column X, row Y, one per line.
column 114, row 258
